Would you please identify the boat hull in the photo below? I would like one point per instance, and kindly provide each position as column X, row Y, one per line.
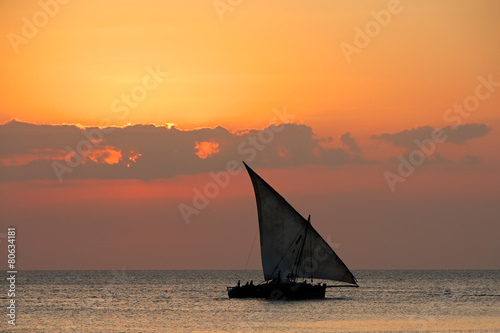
column 278, row 291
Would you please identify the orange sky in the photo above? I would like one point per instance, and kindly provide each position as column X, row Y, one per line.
column 263, row 55
column 232, row 69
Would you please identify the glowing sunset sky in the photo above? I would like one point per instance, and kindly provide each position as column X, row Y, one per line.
column 116, row 114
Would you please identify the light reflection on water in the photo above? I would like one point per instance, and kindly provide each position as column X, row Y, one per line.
column 196, row 301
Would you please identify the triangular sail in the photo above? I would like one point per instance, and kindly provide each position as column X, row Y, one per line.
column 290, row 246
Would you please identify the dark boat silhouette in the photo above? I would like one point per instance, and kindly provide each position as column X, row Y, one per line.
column 291, row 249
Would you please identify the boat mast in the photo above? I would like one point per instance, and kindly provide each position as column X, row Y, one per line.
column 310, row 251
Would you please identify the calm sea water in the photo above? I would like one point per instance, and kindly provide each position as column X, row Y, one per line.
column 196, row 301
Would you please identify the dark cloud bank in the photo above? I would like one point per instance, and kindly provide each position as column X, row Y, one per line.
column 149, row 152
column 454, row 134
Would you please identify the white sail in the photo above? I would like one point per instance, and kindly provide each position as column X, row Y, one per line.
column 290, row 247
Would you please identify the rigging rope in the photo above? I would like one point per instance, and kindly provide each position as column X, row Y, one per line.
column 251, row 249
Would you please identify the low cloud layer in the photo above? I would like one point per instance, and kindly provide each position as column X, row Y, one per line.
column 459, row 134
column 31, row 151
column 349, row 142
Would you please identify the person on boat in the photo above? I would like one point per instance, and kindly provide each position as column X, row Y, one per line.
column 246, row 284
column 238, row 283
column 251, row 283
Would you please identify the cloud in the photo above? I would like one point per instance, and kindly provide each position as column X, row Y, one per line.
column 435, row 159
column 30, row 151
column 458, row 135
column 471, row 159
column 462, row 133
column 349, row 142
column 438, row 159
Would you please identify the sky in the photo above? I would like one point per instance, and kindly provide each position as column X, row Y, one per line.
column 124, row 124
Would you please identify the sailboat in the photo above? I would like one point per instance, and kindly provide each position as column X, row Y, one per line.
column 291, row 249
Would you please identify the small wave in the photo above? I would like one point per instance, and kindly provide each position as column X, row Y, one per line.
column 220, row 298
column 339, row 298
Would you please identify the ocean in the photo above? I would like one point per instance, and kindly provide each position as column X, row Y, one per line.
column 197, row 301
